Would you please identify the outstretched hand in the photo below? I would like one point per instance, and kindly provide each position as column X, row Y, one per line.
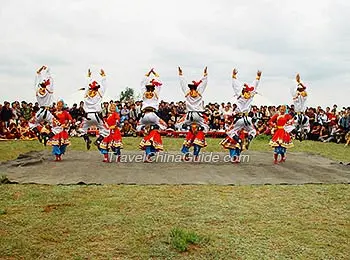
column 234, row 73
column 205, row 71
column 39, row 70
column 102, row 73
column 154, row 73
column 259, row 73
column 297, row 78
column 89, row 73
column 180, row 71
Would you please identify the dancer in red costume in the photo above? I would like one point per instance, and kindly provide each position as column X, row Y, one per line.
column 113, row 142
column 281, row 139
column 150, row 122
column 195, row 120
column 60, row 141
column 235, row 148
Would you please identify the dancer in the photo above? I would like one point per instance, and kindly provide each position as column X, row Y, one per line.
column 44, row 94
column 299, row 94
column 92, row 106
column 195, row 120
column 235, row 148
column 113, row 142
column 60, row 141
column 281, row 139
column 150, row 122
column 244, row 95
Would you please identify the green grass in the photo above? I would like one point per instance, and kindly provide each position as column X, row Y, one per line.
column 182, row 239
column 11, row 149
column 134, row 222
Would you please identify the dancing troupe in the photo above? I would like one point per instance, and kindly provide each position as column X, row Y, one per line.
column 51, row 128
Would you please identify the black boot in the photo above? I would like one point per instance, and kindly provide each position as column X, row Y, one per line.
column 87, row 141
column 37, row 134
column 98, row 140
column 47, row 137
column 250, row 138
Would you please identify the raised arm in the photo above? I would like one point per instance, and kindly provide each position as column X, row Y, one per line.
column 294, row 89
column 102, row 89
column 236, row 84
column 183, row 82
column 256, row 82
column 145, row 80
column 38, row 77
column 204, row 81
column 159, row 84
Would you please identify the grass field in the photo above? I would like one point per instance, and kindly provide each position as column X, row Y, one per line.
column 152, row 222
column 11, row 149
column 136, row 222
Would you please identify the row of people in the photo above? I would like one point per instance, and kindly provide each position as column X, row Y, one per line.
column 194, row 120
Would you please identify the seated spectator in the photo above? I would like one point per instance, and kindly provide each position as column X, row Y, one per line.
column 3, row 130
column 324, row 133
column 26, row 133
column 171, row 125
column 335, row 135
column 14, row 132
column 127, row 129
column 315, row 132
column 261, row 128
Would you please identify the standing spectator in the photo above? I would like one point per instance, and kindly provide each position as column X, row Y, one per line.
column 74, row 112
column 344, row 121
column 6, row 114
column 26, row 111
column 81, row 111
column 133, row 112
column 124, row 113
column 36, row 107
column 322, row 117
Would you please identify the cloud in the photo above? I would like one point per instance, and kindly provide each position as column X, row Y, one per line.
column 127, row 38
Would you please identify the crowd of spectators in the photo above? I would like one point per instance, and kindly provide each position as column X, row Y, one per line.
column 327, row 125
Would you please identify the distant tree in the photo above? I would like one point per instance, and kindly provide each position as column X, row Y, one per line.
column 127, row 94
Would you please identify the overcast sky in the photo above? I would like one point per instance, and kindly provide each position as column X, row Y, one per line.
column 127, row 38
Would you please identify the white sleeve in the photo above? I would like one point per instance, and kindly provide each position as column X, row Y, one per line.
column 102, row 89
column 201, row 87
column 183, row 84
column 237, row 87
column 36, row 82
column 255, row 84
column 143, row 84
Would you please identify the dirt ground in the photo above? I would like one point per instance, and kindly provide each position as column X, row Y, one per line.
column 87, row 168
column 256, row 168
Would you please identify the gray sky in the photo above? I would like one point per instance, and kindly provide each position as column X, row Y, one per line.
column 127, row 38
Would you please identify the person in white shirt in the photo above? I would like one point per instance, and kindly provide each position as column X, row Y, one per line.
column 150, row 121
column 195, row 120
column 96, row 88
column 299, row 96
column 44, row 89
column 244, row 95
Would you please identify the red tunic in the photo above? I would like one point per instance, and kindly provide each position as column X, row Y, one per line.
column 229, row 143
column 63, row 117
column 152, row 139
column 281, row 137
column 114, row 139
